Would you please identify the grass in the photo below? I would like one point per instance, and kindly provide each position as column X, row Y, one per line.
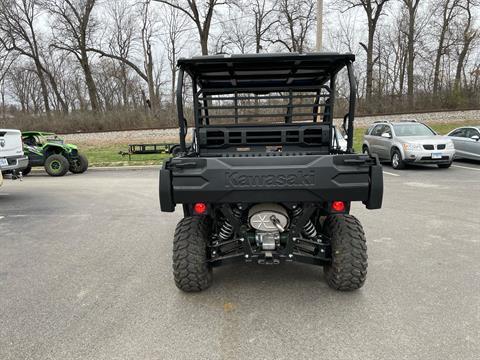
column 108, row 155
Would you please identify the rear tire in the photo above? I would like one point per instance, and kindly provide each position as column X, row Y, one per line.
column 27, row 170
column 348, row 269
column 444, row 166
column 365, row 150
column 56, row 165
column 80, row 165
column 191, row 271
column 397, row 161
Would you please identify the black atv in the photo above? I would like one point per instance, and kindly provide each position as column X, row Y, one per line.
column 264, row 180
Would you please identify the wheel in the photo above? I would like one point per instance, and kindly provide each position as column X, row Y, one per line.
column 397, row 161
column 365, row 149
column 79, row 165
column 348, row 269
column 444, row 166
column 191, row 271
column 56, row 165
column 27, row 170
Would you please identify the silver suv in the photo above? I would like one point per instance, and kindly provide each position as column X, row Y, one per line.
column 408, row 142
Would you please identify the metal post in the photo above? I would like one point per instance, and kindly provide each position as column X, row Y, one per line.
column 181, row 118
column 351, row 110
column 319, row 25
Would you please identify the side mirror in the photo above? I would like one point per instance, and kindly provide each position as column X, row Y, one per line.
column 386, row 135
column 475, row 137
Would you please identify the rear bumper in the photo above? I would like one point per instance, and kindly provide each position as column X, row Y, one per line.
column 271, row 179
column 15, row 163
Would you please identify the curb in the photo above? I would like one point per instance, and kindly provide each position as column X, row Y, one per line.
column 111, row 168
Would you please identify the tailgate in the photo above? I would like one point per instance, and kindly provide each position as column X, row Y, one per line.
column 272, row 179
column 10, row 143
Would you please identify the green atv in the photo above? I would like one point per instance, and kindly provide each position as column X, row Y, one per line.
column 50, row 151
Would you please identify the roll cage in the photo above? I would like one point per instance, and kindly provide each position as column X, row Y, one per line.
column 255, row 102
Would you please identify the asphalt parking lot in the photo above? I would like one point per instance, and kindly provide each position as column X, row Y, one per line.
column 85, row 273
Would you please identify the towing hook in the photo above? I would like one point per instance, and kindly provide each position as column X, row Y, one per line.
column 17, row 176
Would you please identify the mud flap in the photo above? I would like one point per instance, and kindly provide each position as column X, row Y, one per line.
column 165, row 190
column 375, row 196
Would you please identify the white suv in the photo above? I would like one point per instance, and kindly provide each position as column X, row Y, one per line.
column 12, row 158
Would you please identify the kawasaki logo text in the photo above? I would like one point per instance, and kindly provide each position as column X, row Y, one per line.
column 300, row 178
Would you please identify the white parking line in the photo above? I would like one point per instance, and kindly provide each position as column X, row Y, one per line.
column 391, row 174
column 466, row 167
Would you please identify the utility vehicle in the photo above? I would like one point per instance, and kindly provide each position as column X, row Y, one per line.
column 50, row 151
column 262, row 181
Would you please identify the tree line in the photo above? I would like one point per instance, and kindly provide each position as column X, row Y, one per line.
column 61, row 58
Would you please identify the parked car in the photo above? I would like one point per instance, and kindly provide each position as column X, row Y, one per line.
column 467, row 142
column 12, row 159
column 51, row 152
column 408, row 142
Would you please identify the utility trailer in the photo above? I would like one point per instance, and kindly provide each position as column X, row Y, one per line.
column 150, row 149
column 263, row 180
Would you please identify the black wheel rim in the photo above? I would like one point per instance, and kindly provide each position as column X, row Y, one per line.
column 55, row 165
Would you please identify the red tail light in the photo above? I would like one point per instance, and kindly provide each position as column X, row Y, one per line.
column 338, row 206
column 200, row 208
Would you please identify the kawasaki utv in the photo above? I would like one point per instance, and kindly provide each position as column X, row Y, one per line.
column 51, row 152
column 264, row 180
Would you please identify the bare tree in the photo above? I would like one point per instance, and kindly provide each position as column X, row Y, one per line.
column 148, row 30
column 148, row 25
column 24, row 84
column 238, row 35
column 470, row 33
column 296, row 19
column 412, row 7
column 123, row 34
column 174, row 43
column 6, row 62
column 374, row 9
column 263, row 13
column 201, row 13
column 74, row 29
column 447, row 10
column 52, row 66
column 398, row 42
column 18, row 33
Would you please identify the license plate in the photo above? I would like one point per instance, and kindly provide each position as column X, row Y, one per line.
column 436, row 155
column 3, row 162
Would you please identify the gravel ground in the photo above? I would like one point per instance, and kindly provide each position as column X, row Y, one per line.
column 171, row 135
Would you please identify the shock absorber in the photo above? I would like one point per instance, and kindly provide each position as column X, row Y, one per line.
column 226, row 231
column 309, row 229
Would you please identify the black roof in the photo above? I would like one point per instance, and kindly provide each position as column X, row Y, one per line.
column 283, row 70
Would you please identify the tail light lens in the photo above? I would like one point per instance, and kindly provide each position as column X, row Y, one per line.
column 200, row 208
column 338, row 206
